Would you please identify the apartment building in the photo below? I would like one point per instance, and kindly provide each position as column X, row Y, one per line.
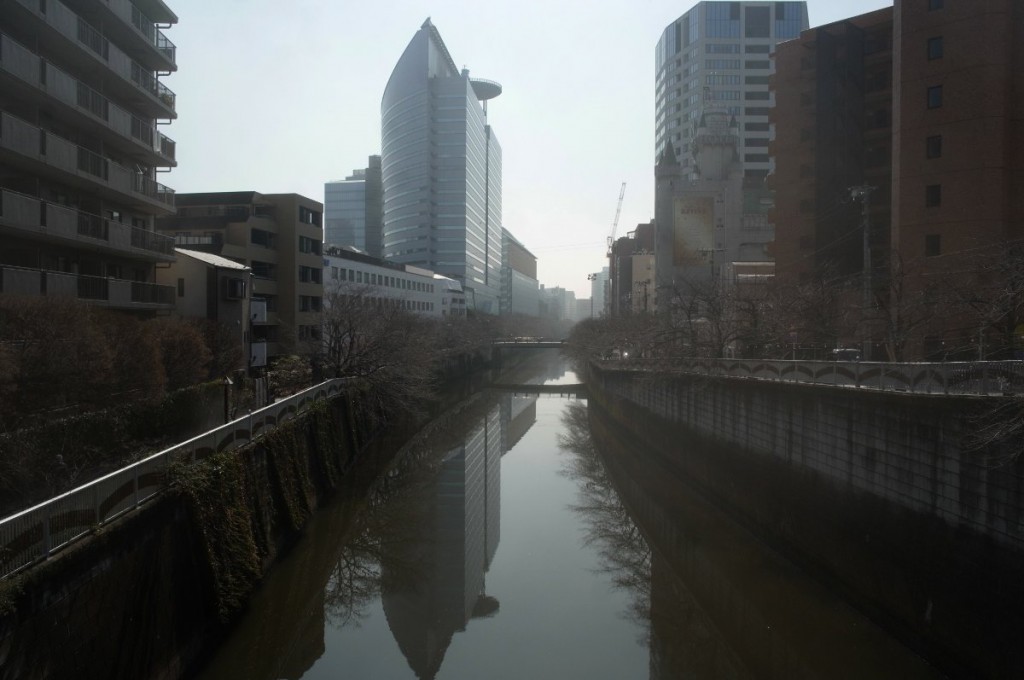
column 833, row 132
column 279, row 237
column 81, row 98
column 913, row 117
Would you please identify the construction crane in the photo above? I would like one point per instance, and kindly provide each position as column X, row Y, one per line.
column 615, row 222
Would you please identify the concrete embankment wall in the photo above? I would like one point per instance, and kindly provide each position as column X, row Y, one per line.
column 144, row 597
column 879, row 494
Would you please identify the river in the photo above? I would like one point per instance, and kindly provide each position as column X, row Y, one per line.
column 513, row 544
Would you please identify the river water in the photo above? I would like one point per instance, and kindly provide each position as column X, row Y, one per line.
column 510, row 543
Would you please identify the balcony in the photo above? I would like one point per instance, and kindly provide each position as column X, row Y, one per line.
column 106, row 292
column 81, row 34
column 35, row 219
column 78, row 165
column 47, row 82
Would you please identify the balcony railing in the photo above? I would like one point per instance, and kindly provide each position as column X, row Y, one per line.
column 184, row 241
column 37, row 217
column 153, row 34
column 23, row 137
column 118, row 293
column 78, row 30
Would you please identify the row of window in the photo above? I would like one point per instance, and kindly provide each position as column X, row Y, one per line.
column 371, row 279
column 395, row 303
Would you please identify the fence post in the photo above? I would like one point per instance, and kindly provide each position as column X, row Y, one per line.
column 46, row 532
column 135, row 483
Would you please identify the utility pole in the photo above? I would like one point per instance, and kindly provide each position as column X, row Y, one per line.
column 864, row 194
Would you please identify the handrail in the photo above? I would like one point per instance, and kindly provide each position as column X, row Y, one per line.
column 35, row 534
column 979, row 378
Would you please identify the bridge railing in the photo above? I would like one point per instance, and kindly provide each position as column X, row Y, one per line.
column 965, row 378
column 40, row 531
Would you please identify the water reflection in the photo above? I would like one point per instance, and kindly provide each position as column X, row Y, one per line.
column 610, row 567
column 717, row 602
column 433, row 581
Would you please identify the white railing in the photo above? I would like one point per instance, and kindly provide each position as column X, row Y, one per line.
column 38, row 532
column 966, row 377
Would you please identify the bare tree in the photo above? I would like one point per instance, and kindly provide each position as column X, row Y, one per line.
column 391, row 350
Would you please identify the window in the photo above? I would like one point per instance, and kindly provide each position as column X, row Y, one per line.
column 756, row 110
column 758, row 22
column 310, row 275
column 307, row 216
column 262, row 270
column 714, row 64
column 755, row 96
column 756, row 157
column 933, row 195
column 722, row 48
column 757, row 49
column 309, row 245
column 181, row 287
column 263, row 238
column 934, row 96
column 756, row 127
column 757, row 63
column 933, row 147
column 932, row 245
column 935, row 48
column 756, row 141
column 309, row 303
column 334, row 273
column 756, row 80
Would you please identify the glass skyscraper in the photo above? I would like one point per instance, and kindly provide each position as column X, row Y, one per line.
column 719, row 53
column 441, row 170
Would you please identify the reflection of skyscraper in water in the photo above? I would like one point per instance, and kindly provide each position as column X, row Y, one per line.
column 459, row 517
column 518, row 414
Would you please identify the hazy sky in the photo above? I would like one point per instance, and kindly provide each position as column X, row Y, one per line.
column 281, row 96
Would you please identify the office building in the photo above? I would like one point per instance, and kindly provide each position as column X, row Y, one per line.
column 519, row 288
column 353, row 210
column 441, row 170
column 383, row 283
column 279, row 237
column 80, row 99
column 720, row 52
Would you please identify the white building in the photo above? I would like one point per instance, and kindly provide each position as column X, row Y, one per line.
column 441, row 170
column 412, row 288
column 721, row 51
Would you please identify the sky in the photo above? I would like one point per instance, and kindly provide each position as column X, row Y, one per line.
column 281, row 96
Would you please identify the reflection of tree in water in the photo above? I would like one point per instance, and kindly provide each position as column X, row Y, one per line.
column 381, row 528
column 623, row 552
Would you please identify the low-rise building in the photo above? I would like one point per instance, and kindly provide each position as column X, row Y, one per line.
column 417, row 290
column 279, row 237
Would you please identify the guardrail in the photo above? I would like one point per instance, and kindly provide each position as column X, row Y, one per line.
column 38, row 532
column 962, row 378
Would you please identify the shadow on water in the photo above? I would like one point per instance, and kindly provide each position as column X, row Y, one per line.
column 715, row 600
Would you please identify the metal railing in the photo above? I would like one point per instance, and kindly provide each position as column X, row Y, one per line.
column 962, row 378
column 38, row 532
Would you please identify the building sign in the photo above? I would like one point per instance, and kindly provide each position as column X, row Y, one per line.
column 694, row 230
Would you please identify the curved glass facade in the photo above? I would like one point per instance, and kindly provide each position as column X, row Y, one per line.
column 441, row 171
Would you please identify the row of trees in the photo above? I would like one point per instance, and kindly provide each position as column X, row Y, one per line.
column 58, row 355
column 971, row 307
